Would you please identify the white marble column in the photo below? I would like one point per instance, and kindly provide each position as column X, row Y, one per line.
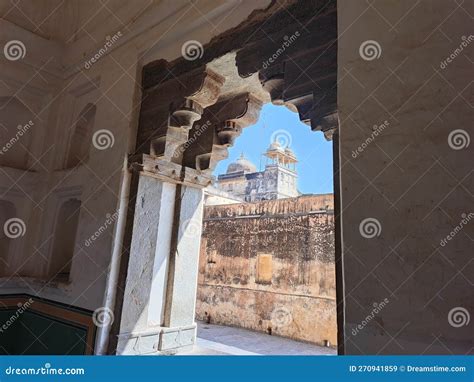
column 183, row 272
column 160, row 293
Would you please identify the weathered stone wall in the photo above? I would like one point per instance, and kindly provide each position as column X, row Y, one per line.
column 275, row 182
column 292, row 294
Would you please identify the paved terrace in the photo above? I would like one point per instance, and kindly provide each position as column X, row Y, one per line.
column 226, row 340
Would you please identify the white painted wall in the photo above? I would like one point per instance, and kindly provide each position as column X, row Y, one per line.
column 53, row 82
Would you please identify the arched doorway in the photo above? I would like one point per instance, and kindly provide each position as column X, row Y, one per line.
column 187, row 122
column 16, row 120
column 267, row 249
column 80, row 140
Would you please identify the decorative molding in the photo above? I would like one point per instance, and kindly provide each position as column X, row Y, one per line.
column 164, row 129
column 173, row 173
column 225, row 119
column 280, row 56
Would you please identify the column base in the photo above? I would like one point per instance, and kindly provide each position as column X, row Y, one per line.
column 157, row 341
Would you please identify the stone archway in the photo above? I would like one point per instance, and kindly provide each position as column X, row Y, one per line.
column 191, row 112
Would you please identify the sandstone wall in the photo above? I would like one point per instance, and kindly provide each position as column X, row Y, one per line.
column 292, row 293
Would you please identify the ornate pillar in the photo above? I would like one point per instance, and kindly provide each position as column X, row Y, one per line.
column 157, row 314
column 184, row 130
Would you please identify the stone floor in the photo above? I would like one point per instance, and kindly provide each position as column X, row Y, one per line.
column 225, row 340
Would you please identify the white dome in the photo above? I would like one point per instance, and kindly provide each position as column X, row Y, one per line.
column 241, row 164
column 275, row 146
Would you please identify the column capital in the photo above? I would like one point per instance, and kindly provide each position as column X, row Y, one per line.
column 169, row 110
column 169, row 172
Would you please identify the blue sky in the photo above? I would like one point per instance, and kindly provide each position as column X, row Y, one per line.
column 314, row 153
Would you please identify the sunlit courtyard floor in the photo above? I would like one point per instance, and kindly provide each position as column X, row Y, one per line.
column 225, row 340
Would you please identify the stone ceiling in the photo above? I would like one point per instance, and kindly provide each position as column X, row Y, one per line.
column 68, row 21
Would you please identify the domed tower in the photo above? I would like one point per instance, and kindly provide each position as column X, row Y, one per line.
column 281, row 178
column 236, row 179
column 282, row 156
column 241, row 165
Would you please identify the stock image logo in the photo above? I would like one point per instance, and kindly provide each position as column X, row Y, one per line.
column 14, row 228
column 370, row 228
column 103, row 317
column 458, row 317
column 287, row 42
column 282, row 137
column 191, row 228
column 192, row 50
column 459, row 139
column 376, row 131
column 109, row 220
column 21, row 131
column 465, row 219
column 370, row 50
column 103, row 139
column 196, row 134
column 281, row 316
column 22, row 307
column 465, row 41
column 14, row 50
column 109, row 42
column 376, row 309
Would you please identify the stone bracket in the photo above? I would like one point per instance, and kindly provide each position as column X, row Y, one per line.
column 227, row 117
column 170, row 109
column 303, row 76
